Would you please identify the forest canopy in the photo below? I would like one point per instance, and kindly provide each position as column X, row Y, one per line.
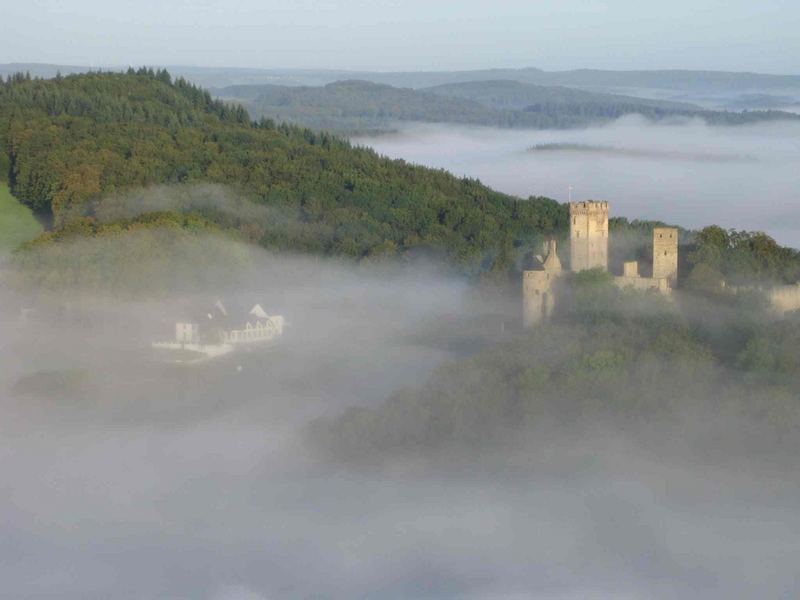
column 72, row 140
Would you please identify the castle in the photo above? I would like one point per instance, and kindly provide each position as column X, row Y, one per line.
column 588, row 235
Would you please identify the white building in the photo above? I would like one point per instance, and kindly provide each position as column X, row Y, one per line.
column 215, row 333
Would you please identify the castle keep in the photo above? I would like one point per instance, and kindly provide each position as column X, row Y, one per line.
column 588, row 236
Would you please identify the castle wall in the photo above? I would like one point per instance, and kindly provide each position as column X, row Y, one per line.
column 644, row 284
column 588, row 235
column 665, row 253
column 784, row 298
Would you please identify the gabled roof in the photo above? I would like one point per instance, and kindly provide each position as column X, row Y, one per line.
column 258, row 312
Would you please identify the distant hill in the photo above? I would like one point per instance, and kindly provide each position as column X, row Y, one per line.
column 515, row 95
column 41, row 69
column 355, row 106
column 363, row 106
column 676, row 80
column 761, row 102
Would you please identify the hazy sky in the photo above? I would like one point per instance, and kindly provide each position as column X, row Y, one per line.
column 406, row 34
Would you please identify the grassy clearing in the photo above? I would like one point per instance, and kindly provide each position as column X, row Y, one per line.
column 17, row 223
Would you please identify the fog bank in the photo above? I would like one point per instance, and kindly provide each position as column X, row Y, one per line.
column 686, row 173
column 126, row 478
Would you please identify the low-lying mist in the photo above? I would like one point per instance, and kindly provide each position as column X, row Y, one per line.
column 687, row 173
column 127, row 478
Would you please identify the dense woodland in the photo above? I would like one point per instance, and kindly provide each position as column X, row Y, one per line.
column 625, row 359
column 362, row 106
column 84, row 152
column 74, row 139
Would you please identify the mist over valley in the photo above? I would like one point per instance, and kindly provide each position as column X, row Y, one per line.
column 686, row 173
column 382, row 311
column 128, row 477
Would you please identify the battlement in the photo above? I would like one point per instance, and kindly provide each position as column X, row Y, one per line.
column 588, row 207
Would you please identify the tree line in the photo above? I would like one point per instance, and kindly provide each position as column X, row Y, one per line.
column 71, row 140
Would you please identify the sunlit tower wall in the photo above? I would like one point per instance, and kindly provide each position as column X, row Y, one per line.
column 588, row 235
column 665, row 254
column 539, row 288
column 539, row 299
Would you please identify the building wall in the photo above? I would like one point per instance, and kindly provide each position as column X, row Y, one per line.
column 644, row 284
column 187, row 333
column 539, row 300
column 588, row 235
column 785, row 298
column 630, row 268
column 665, row 253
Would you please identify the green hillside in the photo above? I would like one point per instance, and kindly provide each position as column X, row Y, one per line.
column 75, row 142
column 354, row 106
column 17, row 223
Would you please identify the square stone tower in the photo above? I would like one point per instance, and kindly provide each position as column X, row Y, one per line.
column 588, row 228
column 665, row 254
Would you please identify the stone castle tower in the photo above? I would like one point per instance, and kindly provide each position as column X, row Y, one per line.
column 588, row 228
column 542, row 285
column 538, row 288
column 665, row 254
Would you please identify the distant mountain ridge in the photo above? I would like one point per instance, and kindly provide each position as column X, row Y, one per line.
column 672, row 79
column 356, row 106
column 516, row 95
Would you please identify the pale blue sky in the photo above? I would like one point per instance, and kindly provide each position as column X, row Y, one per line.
column 756, row 35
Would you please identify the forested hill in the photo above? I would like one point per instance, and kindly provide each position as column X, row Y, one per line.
column 358, row 106
column 355, row 106
column 516, row 95
column 71, row 142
